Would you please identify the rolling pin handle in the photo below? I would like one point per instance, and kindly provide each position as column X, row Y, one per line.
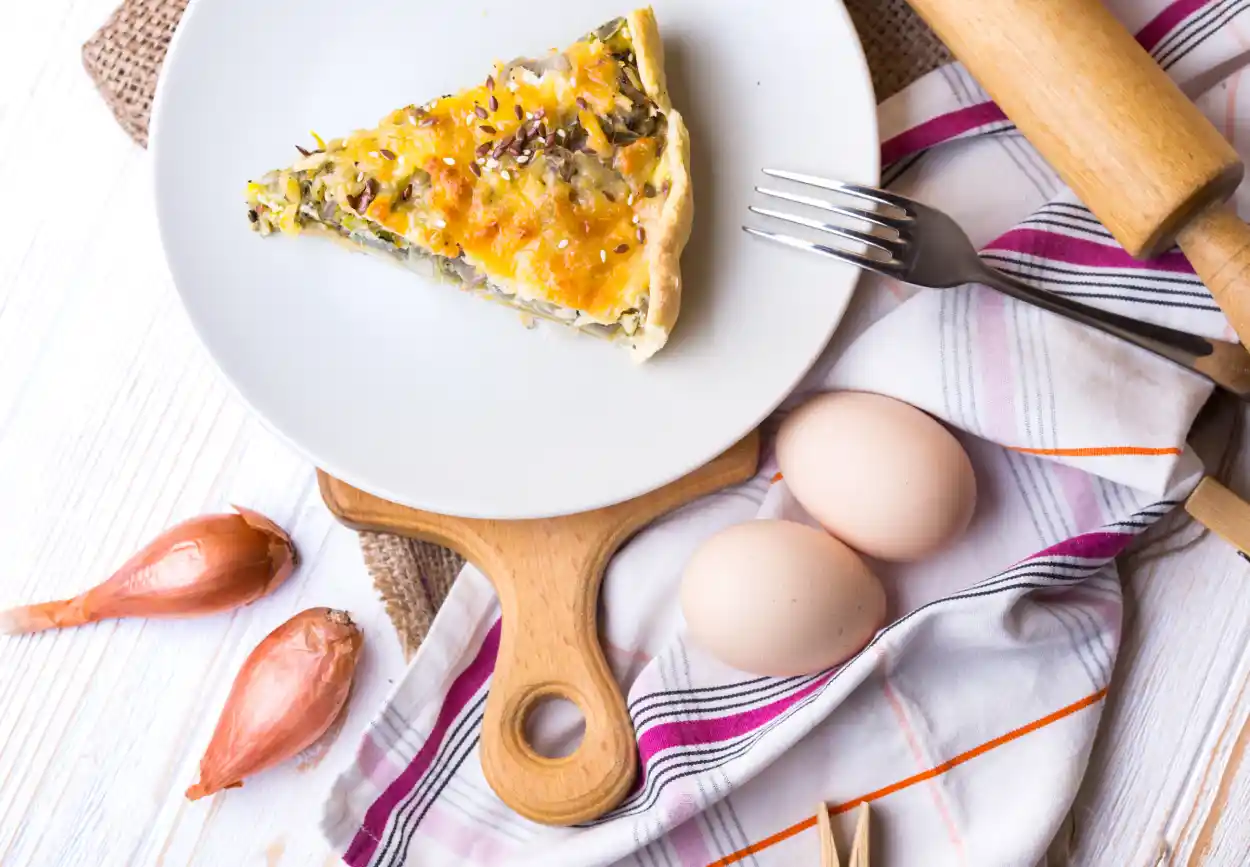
column 1217, row 244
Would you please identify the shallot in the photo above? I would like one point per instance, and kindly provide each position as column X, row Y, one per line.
column 204, row 565
column 290, row 690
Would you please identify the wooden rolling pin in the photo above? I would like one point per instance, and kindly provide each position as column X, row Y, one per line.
column 1118, row 131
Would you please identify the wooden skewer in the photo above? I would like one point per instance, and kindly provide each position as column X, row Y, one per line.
column 859, row 847
column 1222, row 512
column 829, row 847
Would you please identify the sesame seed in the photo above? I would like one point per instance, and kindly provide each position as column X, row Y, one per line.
column 523, row 159
column 484, row 148
column 520, row 115
column 493, row 103
column 621, row 248
column 582, row 104
column 642, row 235
column 609, row 196
column 504, row 174
column 529, row 115
column 630, row 200
column 648, row 191
column 488, row 129
column 564, row 242
column 492, row 163
column 440, row 223
column 560, row 133
column 477, row 172
column 603, row 255
column 451, row 161
column 469, row 118
column 512, row 86
column 390, row 155
column 373, row 154
column 480, row 112
column 360, row 176
column 490, row 82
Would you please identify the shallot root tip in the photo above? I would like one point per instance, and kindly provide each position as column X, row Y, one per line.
column 199, row 790
column 194, row 793
column 45, row 615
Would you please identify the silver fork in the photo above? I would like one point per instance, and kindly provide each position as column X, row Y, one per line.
column 924, row 247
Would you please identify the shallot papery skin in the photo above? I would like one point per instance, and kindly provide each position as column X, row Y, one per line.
column 204, row 565
column 288, row 693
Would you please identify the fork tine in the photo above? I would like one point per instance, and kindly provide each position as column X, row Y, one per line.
column 825, row 205
column 880, row 196
column 888, row 269
column 888, row 245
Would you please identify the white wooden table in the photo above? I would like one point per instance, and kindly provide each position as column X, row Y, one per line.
column 114, row 424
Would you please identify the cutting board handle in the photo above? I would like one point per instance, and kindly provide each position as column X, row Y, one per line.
column 547, row 574
column 1217, row 244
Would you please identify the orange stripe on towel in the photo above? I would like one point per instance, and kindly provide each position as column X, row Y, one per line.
column 1097, row 451
column 936, row 771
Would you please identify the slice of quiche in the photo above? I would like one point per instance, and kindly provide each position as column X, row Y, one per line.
column 560, row 186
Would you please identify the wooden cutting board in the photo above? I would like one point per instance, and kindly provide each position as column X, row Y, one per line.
column 547, row 573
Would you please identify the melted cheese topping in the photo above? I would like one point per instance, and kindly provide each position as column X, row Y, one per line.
column 442, row 177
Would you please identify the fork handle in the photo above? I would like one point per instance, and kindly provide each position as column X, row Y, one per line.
column 1225, row 364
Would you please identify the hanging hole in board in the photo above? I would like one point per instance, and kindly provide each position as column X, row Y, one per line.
column 554, row 727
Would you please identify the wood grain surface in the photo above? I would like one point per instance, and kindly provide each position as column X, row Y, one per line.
column 114, row 424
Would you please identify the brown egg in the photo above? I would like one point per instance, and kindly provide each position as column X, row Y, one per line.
column 780, row 598
column 879, row 474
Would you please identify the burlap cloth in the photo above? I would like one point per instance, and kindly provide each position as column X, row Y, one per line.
column 124, row 57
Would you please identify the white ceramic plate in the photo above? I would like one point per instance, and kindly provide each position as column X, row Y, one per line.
column 433, row 398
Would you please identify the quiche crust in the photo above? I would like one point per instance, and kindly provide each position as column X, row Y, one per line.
column 672, row 230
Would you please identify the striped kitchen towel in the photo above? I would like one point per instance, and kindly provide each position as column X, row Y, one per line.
column 968, row 720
